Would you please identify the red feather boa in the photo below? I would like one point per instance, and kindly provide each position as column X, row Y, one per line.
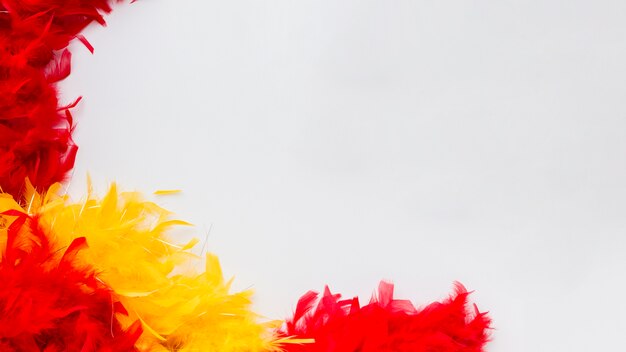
column 36, row 132
column 386, row 324
column 49, row 304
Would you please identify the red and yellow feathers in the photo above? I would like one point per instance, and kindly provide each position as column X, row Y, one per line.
column 118, row 252
column 49, row 300
column 104, row 274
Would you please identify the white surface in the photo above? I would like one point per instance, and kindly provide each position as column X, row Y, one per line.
column 344, row 142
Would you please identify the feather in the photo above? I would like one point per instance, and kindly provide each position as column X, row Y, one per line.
column 386, row 324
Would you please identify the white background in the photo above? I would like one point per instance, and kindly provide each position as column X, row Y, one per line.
column 347, row 141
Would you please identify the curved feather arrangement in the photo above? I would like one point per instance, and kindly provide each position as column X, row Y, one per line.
column 106, row 274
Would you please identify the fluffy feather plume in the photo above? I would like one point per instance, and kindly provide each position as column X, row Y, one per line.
column 386, row 324
column 36, row 133
column 47, row 301
column 180, row 310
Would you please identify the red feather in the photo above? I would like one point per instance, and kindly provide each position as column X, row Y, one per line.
column 48, row 303
column 386, row 324
column 35, row 132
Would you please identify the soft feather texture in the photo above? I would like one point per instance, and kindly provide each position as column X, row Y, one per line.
column 152, row 276
column 48, row 302
column 386, row 324
column 35, row 131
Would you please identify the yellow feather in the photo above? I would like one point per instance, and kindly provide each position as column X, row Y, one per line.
column 166, row 192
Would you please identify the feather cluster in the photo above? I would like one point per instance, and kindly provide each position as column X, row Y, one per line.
column 149, row 277
column 386, row 324
column 36, row 131
column 104, row 274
